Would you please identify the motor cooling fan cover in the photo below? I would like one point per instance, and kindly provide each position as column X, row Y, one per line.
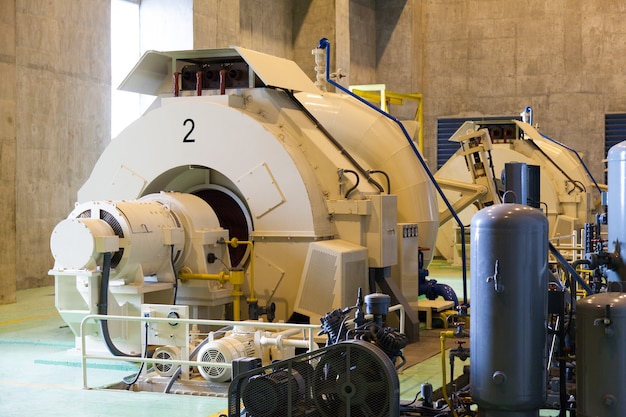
column 224, row 350
column 168, row 353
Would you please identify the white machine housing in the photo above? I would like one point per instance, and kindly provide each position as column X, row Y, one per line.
column 149, row 238
column 273, row 157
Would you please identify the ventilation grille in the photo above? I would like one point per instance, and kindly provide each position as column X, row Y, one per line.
column 117, row 229
column 167, row 353
column 213, row 372
column 225, row 350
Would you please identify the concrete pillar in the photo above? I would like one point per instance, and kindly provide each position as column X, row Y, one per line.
column 62, row 119
column 7, row 150
column 263, row 26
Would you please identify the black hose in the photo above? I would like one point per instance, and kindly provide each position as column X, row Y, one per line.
column 569, row 268
column 386, row 176
column 143, row 365
column 356, row 184
column 103, row 307
column 175, row 274
column 576, row 184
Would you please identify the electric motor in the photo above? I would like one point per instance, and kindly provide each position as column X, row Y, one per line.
column 267, row 395
column 224, row 350
column 151, row 233
column 168, row 353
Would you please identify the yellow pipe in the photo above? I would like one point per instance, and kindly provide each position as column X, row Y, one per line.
column 236, row 293
column 443, row 335
column 236, row 278
column 185, row 276
column 234, row 242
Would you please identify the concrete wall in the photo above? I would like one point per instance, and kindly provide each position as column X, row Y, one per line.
column 55, row 72
column 312, row 20
column 263, row 26
column 565, row 58
column 8, row 98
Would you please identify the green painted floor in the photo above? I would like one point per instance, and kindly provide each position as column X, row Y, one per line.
column 40, row 373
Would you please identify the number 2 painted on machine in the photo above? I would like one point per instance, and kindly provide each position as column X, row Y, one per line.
column 187, row 139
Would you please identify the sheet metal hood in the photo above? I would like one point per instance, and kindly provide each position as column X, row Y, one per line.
column 152, row 75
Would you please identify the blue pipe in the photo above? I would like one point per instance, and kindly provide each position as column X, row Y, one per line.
column 325, row 44
column 431, row 289
column 577, row 156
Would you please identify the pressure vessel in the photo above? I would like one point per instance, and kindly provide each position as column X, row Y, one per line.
column 508, row 310
column 600, row 359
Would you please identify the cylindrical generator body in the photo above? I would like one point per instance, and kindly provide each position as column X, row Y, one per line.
column 147, row 229
column 600, row 359
column 139, row 226
column 509, row 278
column 617, row 209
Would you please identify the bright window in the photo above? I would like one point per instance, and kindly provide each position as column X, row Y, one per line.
column 125, row 51
column 138, row 26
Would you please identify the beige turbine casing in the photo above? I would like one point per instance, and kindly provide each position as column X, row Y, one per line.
column 260, row 150
column 568, row 206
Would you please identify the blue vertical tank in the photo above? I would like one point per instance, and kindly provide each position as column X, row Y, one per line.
column 508, row 278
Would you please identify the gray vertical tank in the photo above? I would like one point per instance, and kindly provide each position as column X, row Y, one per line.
column 600, row 355
column 617, row 209
column 508, row 276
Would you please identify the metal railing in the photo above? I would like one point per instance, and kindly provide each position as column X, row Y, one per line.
column 308, row 330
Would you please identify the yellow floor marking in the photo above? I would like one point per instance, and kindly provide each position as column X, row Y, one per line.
column 44, row 316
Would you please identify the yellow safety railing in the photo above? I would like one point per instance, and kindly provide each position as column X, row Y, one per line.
column 377, row 93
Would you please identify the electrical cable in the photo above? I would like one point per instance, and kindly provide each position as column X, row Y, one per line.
column 356, row 184
column 175, row 275
column 334, row 141
column 193, row 354
column 578, row 156
column 103, row 307
column 141, row 367
column 378, row 171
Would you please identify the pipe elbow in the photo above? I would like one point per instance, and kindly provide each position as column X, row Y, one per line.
column 431, row 289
